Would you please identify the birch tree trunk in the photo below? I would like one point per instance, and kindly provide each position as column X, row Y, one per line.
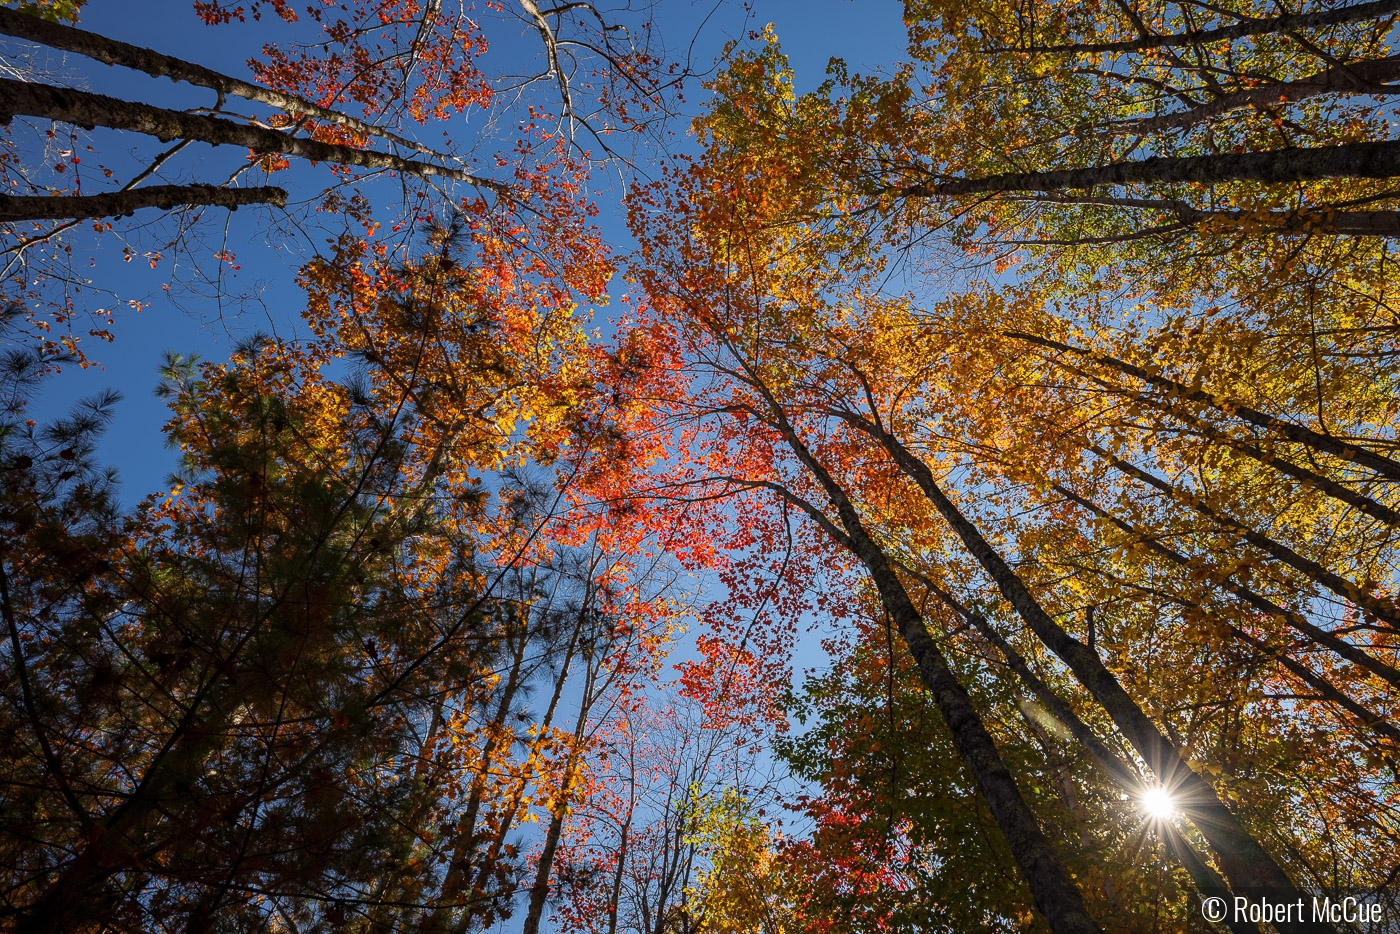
column 122, row 203
column 85, row 109
column 1349, row 160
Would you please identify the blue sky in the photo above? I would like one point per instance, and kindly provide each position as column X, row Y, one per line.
column 262, row 296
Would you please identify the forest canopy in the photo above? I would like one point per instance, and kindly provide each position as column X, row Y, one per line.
column 645, row 487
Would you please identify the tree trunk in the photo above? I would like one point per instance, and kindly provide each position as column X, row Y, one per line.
column 1368, row 77
column 1307, row 222
column 1288, row 22
column 121, row 203
column 459, row 873
column 618, row 874
column 84, row 109
column 1309, row 568
column 1349, row 160
column 1326, row 485
column 1054, row 892
column 157, row 65
column 1304, row 222
column 1113, row 765
column 539, row 891
column 1331, row 694
column 1247, row 866
column 493, row 855
column 1321, row 442
column 1207, row 881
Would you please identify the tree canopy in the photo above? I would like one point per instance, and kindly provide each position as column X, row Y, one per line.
column 959, row 496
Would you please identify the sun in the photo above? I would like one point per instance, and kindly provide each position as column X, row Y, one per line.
column 1158, row 803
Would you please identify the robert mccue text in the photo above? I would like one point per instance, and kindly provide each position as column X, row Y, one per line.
column 1349, row 910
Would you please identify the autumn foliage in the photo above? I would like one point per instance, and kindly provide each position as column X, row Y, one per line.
column 970, row 507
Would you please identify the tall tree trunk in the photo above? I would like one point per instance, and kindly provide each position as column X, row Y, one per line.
column 1303, row 222
column 1326, row 485
column 459, row 873
column 121, row 203
column 618, row 874
column 493, row 855
column 539, row 891
column 1206, row 880
column 112, row 52
column 1054, row 892
column 1366, row 77
column 1247, row 866
column 1337, row 447
column 85, row 109
column 1287, row 22
column 1348, row 160
column 1309, row 568
column 1121, row 772
column 382, row 908
column 1315, row 633
column 1329, row 692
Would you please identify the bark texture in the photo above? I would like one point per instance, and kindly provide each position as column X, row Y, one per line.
column 1329, row 444
column 122, row 203
column 1206, row 879
column 1288, row 22
column 1376, row 510
column 157, row 65
column 1350, row 160
column 1055, row 893
column 85, row 109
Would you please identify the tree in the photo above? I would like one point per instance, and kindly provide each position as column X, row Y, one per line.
column 744, row 887
column 311, row 622
column 688, row 275
column 232, row 701
column 1177, row 99
column 1101, row 128
column 638, row 852
column 852, row 407
column 901, row 836
column 361, row 103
